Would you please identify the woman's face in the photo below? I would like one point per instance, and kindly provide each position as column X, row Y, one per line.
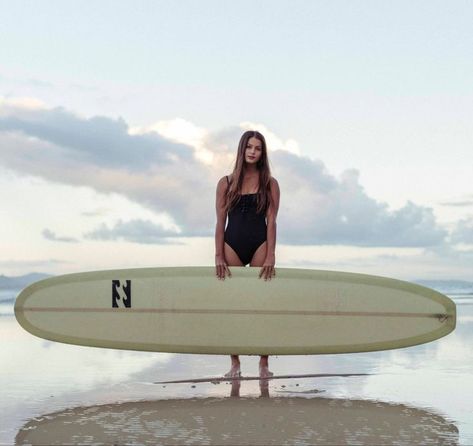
column 253, row 151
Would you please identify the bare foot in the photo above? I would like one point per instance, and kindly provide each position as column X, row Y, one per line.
column 234, row 372
column 264, row 372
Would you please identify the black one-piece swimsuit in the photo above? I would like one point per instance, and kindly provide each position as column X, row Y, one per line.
column 246, row 229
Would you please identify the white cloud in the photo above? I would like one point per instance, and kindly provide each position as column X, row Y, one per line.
column 96, row 141
column 166, row 176
column 463, row 232
column 465, row 201
column 318, row 208
column 136, row 231
column 181, row 131
column 9, row 105
column 272, row 140
column 28, row 264
column 50, row 235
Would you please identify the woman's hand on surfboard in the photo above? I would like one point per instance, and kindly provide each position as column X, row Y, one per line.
column 268, row 271
column 221, row 267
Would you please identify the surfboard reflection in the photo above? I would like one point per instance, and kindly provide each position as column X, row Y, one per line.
column 277, row 420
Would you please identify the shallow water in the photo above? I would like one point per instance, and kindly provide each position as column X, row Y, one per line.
column 75, row 394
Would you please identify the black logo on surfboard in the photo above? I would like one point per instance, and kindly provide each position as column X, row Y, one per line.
column 121, row 292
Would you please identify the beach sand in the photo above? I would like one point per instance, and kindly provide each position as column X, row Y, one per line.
column 56, row 393
column 290, row 420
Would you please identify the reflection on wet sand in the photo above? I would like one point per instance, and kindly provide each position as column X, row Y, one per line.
column 257, row 378
column 288, row 420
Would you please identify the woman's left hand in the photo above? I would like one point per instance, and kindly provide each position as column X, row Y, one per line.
column 268, row 271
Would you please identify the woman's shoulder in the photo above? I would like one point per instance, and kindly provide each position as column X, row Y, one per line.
column 227, row 179
column 224, row 182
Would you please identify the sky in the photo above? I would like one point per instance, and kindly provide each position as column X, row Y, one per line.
column 117, row 119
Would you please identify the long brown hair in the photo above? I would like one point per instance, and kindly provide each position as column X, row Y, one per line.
column 264, row 192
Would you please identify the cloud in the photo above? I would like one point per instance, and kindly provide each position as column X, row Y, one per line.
column 83, row 87
column 33, row 82
column 461, row 203
column 11, row 105
column 98, row 212
column 169, row 176
column 463, row 232
column 97, row 141
column 321, row 209
column 34, row 263
column 137, row 231
column 28, row 82
column 348, row 262
column 272, row 140
column 49, row 235
column 181, row 131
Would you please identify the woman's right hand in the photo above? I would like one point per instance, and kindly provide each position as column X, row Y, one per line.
column 221, row 267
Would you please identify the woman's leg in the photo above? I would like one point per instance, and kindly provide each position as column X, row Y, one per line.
column 258, row 260
column 232, row 260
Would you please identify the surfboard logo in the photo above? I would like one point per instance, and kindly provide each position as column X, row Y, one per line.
column 121, row 292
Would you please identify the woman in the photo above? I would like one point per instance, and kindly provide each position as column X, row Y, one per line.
column 250, row 198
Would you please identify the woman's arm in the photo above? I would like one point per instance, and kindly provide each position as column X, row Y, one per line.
column 220, row 262
column 271, row 214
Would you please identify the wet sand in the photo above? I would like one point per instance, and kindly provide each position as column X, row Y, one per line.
column 217, row 379
column 230, row 421
column 57, row 393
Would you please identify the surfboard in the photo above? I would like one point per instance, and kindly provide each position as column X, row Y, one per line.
column 188, row 310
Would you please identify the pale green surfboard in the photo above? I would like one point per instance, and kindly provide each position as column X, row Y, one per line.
column 188, row 310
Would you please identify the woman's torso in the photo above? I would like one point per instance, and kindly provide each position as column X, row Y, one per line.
column 244, row 216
